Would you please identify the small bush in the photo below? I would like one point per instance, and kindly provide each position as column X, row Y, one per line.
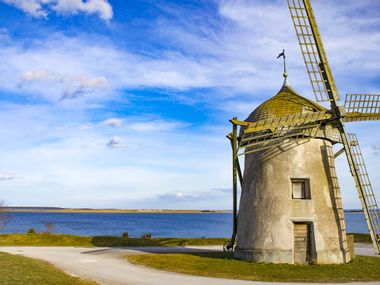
column 125, row 235
column 31, row 231
column 146, row 235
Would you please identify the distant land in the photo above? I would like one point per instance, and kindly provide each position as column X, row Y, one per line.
column 90, row 210
column 107, row 210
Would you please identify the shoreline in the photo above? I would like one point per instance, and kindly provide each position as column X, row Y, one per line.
column 121, row 211
column 115, row 211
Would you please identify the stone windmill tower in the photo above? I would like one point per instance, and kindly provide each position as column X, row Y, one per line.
column 290, row 208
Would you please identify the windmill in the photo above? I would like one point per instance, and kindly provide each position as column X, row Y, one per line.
column 290, row 186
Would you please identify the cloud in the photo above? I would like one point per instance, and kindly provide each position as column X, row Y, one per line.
column 70, row 7
column 4, row 35
column 7, row 176
column 376, row 149
column 41, row 8
column 178, row 196
column 192, row 195
column 36, row 75
column 31, row 7
column 73, row 86
column 114, row 122
column 114, row 142
column 156, row 126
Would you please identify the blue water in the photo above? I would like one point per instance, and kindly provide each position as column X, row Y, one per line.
column 136, row 224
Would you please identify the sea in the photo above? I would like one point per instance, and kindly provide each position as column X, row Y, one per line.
column 194, row 225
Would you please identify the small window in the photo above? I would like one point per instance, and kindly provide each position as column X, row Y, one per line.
column 301, row 188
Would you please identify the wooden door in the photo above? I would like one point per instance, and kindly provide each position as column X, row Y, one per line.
column 301, row 243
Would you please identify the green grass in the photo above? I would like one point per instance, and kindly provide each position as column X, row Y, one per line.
column 43, row 239
column 222, row 265
column 362, row 238
column 106, row 241
column 19, row 270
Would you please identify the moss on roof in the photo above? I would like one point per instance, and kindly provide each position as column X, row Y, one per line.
column 286, row 102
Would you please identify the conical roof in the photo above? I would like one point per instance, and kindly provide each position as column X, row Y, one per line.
column 286, row 102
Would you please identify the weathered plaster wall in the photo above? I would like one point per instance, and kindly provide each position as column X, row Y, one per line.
column 267, row 210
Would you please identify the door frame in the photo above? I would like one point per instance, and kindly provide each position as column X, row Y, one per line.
column 310, row 255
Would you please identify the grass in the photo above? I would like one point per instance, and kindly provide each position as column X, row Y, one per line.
column 44, row 239
column 362, row 238
column 19, row 270
column 223, row 265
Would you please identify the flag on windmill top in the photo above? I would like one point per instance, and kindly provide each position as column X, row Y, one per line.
column 281, row 54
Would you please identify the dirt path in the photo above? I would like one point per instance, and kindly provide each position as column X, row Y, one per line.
column 108, row 265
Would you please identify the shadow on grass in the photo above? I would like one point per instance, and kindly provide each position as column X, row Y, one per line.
column 111, row 241
column 175, row 244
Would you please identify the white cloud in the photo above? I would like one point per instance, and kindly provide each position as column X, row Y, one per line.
column 36, row 75
column 178, row 196
column 41, row 8
column 197, row 199
column 100, row 7
column 114, row 122
column 156, row 126
column 31, row 7
column 6, row 176
column 73, row 86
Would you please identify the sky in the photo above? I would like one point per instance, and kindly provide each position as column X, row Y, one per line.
column 125, row 104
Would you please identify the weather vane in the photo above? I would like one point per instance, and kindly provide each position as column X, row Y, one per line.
column 284, row 57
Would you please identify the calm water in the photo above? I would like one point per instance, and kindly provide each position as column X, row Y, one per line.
column 160, row 225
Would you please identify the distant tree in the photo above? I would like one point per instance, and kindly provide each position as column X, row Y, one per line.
column 4, row 215
column 31, row 231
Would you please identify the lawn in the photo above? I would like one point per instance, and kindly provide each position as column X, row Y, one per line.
column 362, row 238
column 44, row 239
column 19, row 270
column 222, row 265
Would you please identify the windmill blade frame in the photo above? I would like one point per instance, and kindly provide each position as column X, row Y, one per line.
column 362, row 107
column 295, row 119
column 361, row 179
column 314, row 56
column 369, row 204
column 357, row 117
column 253, row 142
column 362, row 103
column 313, row 52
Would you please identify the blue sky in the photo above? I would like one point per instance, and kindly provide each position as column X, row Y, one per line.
column 125, row 104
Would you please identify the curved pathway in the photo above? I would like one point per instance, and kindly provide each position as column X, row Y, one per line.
column 109, row 266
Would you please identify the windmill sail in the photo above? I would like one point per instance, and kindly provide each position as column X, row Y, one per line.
column 362, row 107
column 268, row 139
column 294, row 119
column 325, row 90
column 314, row 55
column 368, row 200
